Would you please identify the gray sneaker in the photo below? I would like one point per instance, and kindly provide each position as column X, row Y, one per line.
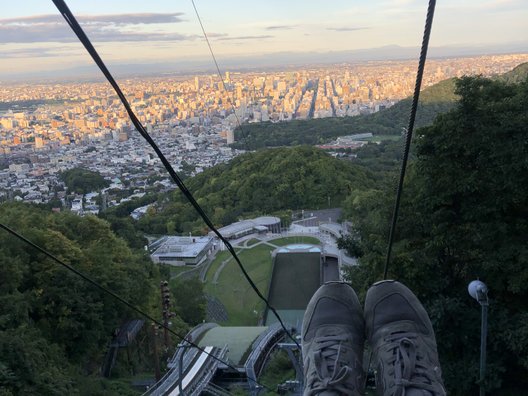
column 403, row 342
column 333, row 337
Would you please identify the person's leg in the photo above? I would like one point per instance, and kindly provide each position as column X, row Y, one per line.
column 333, row 336
column 403, row 342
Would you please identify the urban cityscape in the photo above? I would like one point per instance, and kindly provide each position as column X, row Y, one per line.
column 48, row 128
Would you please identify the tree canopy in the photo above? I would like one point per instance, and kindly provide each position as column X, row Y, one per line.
column 464, row 216
column 258, row 183
column 54, row 326
column 82, row 180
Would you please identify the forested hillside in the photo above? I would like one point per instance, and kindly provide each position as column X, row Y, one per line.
column 256, row 183
column 464, row 216
column 54, row 326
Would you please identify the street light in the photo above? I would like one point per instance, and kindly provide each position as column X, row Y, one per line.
column 479, row 291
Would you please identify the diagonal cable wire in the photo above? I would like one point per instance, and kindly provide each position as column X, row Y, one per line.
column 244, row 135
column 70, row 19
column 408, row 136
column 114, row 295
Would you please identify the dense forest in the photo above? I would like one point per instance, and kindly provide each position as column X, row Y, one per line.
column 82, row 180
column 54, row 326
column 264, row 182
column 464, row 216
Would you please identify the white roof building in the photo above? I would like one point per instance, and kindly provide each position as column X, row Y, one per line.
column 181, row 250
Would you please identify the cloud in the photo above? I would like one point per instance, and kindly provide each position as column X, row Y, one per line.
column 216, row 35
column 100, row 28
column 347, row 29
column 34, row 52
column 262, row 37
column 116, row 19
column 280, row 27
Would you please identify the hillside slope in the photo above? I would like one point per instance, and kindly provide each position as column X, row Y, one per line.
column 263, row 182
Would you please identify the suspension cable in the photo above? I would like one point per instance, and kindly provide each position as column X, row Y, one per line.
column 70, row 19
column 244, row 135
column 115, row 295
column 408, row 136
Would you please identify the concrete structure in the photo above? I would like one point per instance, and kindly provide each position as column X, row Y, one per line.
column 299, row 265
column 244, row 349
column 177, row 250
column 334, row 229
column 298, row 270
column 242, row 228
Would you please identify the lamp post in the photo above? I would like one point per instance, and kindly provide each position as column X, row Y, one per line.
column 165, row 303
column 479, row 291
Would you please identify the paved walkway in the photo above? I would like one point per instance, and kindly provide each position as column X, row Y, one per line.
column 200, row 269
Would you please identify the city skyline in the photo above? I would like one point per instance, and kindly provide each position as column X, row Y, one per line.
column 35, row 39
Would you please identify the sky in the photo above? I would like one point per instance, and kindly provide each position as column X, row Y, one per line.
column 35, row 39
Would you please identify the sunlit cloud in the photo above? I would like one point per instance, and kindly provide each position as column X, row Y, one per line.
column 34, row 52
column 100, row 28
column 116, row 19
column 280, row 27
column 229, row 38
column 347, row 29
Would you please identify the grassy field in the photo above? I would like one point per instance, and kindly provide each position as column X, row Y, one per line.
column 220, row 257
column 295, row 239
column 234, row 291
column 252, row 241
column 178, row 270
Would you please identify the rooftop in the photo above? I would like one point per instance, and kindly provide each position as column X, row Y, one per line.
column 181, row 246
column 246, row 225
column 239, row 339
column 299, row 247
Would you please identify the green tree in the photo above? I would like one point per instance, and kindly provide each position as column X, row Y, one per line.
column 189, row 300
column 464, row 216
column 264, row 182
column 54, row 326
column 82, row 180
column 351, row 244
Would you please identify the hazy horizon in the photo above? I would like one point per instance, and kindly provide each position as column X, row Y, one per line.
column 160, row 36
column 274, row 61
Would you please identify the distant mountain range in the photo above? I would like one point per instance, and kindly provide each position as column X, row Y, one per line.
column 268, row 61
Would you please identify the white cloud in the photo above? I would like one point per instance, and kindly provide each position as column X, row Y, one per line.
column 100, row 28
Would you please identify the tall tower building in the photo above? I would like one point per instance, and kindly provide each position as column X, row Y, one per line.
column 197, row 83
column 230, row 136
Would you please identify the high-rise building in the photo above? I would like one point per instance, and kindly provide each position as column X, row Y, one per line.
column 197, row 83
column 39, row 143
column 230, row 136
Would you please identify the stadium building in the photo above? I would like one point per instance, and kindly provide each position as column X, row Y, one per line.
column 178, row 250
column 260, row 225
